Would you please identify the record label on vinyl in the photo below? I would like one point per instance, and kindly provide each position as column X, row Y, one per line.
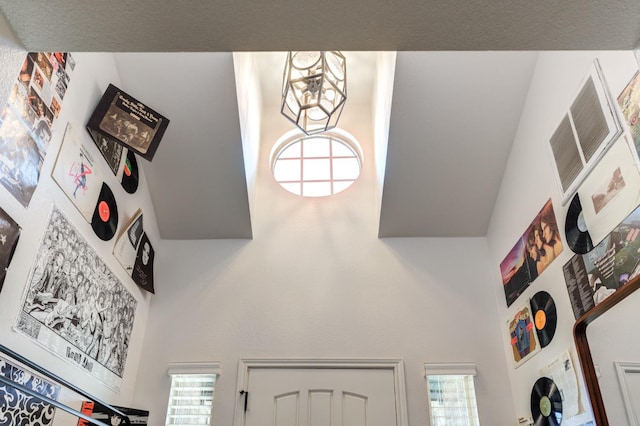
column 546, row 403
column 105, row 215
column 576, row 232
column 130, row 173
column 545, row 316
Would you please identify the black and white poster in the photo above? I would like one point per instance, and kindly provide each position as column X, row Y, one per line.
column 75, row 306
column 19, row 408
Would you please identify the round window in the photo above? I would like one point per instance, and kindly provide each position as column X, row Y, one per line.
column 317, row 166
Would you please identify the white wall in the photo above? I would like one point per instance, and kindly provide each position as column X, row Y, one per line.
column 90, row 78
column 527, row 184
column 316, row 282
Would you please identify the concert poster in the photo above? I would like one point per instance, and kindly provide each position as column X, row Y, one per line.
column 27, row 120
column 75, row 307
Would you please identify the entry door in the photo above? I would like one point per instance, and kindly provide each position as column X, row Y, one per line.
column 323, row 396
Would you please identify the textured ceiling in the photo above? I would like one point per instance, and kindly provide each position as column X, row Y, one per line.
column 281, row 25
column 458, row 91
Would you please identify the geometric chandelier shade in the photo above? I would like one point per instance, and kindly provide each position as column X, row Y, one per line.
column 314, row 90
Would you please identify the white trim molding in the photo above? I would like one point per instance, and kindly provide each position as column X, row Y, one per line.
column 624, row 369
column 194, row 368
column 394, row 364
column 466, row 369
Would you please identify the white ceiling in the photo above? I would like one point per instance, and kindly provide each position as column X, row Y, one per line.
column 453, row 114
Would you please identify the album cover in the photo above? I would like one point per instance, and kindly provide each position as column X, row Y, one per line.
column 9, row 235
column 135, row 252
column 524, row 339
column 629, row 101
column 123, row 119
column 125, row 248
column 77, row 174
column 534, row 251
column 610, row 192
column 592, row 277
column 111, row 151
column 102, row 413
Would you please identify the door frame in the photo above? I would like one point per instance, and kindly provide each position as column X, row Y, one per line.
column 394, row 364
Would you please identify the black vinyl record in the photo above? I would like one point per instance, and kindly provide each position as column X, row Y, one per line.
column 545, row 317
column 130, row 173
column 576, row 231
column 105, row 215
column 546, row 403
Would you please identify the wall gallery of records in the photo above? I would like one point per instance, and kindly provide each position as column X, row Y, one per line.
column 72, row 305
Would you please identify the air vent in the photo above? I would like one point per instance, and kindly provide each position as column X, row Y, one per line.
column 585, row 133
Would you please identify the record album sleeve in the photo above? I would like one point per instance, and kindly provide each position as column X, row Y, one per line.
column 77, row 173
column 122, row 119
column 126, row 245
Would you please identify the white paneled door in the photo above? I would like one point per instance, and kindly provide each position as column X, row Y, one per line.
column 325, row 396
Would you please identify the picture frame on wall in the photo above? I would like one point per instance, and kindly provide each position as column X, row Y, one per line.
column 122, row 119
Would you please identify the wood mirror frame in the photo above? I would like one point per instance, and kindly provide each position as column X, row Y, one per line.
column 584, row 353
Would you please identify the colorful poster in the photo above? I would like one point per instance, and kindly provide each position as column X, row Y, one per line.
column 19, row 408
column 75, row 306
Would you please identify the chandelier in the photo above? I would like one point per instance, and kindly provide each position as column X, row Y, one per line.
column 314, row 90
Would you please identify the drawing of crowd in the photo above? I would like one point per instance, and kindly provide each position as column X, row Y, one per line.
column 73, row 293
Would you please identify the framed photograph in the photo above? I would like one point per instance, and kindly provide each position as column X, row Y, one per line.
column 123, row 119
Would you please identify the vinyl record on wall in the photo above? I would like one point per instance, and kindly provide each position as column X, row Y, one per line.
column 546, row 403
column 544, row 316
column 576, row 231
column 130, row 173
column 105, row 215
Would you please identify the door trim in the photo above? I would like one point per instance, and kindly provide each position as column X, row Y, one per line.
column 624, row 369
column 394, row 364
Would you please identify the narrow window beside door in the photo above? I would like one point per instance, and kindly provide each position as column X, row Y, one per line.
column 191, row 395
column 451, row 393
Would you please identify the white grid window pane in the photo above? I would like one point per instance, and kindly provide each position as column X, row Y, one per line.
column 292, row 151
column 317, row 170
column 453, row 400
column 287, row 170
column 316, row 189
column 316, row 147
column 346, row 168
column 317, row 166
column 190, row 399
